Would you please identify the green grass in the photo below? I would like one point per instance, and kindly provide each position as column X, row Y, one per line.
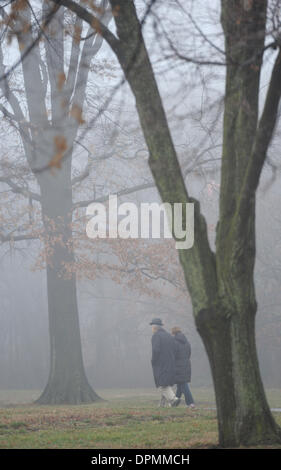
column 128, row 419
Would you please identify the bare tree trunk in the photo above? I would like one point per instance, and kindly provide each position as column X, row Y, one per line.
column 243, row 413
column 221, row 286
column 67, row 381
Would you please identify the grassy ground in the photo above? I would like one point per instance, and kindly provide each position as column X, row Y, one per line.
column 127, row 419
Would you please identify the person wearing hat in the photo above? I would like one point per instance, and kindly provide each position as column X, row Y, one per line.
column 163, row 362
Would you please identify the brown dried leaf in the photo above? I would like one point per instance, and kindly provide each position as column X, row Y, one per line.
column 76, row 113
column 60, row 147
column 96, row 25
column 77, row 34
column 96, row 8
column 61, row 80
column 19, row 5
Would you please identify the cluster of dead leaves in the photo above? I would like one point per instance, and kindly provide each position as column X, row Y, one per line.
column 60, row 148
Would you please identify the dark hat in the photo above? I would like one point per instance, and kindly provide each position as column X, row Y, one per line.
column 156, row 321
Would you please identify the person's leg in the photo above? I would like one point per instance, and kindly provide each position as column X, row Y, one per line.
column 168, row 393
column 162, row 401
column 187, row 395
column 179, row 390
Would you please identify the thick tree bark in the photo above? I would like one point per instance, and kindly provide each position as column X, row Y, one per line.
column 221, row 286
column 244, row 417
column 67, row 381
column 244, row 28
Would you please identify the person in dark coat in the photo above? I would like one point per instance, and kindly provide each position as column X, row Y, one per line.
column 163, row 362
column 182, row 366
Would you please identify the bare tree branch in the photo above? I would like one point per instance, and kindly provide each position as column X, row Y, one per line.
column 122, row 192
column 92, row 20
column 30, row 46
column 20, row 189
column 266, row 126
column 17, row 238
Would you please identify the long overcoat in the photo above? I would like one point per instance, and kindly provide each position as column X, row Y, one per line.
column 163, row 358
column 183, row 363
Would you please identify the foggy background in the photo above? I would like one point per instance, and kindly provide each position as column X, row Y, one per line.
column 114, row 317
column 114, row 320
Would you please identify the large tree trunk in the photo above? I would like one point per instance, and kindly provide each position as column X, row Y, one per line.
column 243, row 414
column 67, row 383
column 67, row 379
column 250, row 421
column 221, row 286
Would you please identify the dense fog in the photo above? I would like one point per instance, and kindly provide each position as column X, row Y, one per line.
column 118, row 290
column 115, row 330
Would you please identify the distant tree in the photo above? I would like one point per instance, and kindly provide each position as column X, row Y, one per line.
column 46, row 113
column 54, row 96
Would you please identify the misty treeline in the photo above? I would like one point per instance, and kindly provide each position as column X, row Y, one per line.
column 206, row 82
column 114, row 326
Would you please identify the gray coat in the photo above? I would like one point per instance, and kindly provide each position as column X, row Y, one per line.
column 183, row 364
column 163, row 358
